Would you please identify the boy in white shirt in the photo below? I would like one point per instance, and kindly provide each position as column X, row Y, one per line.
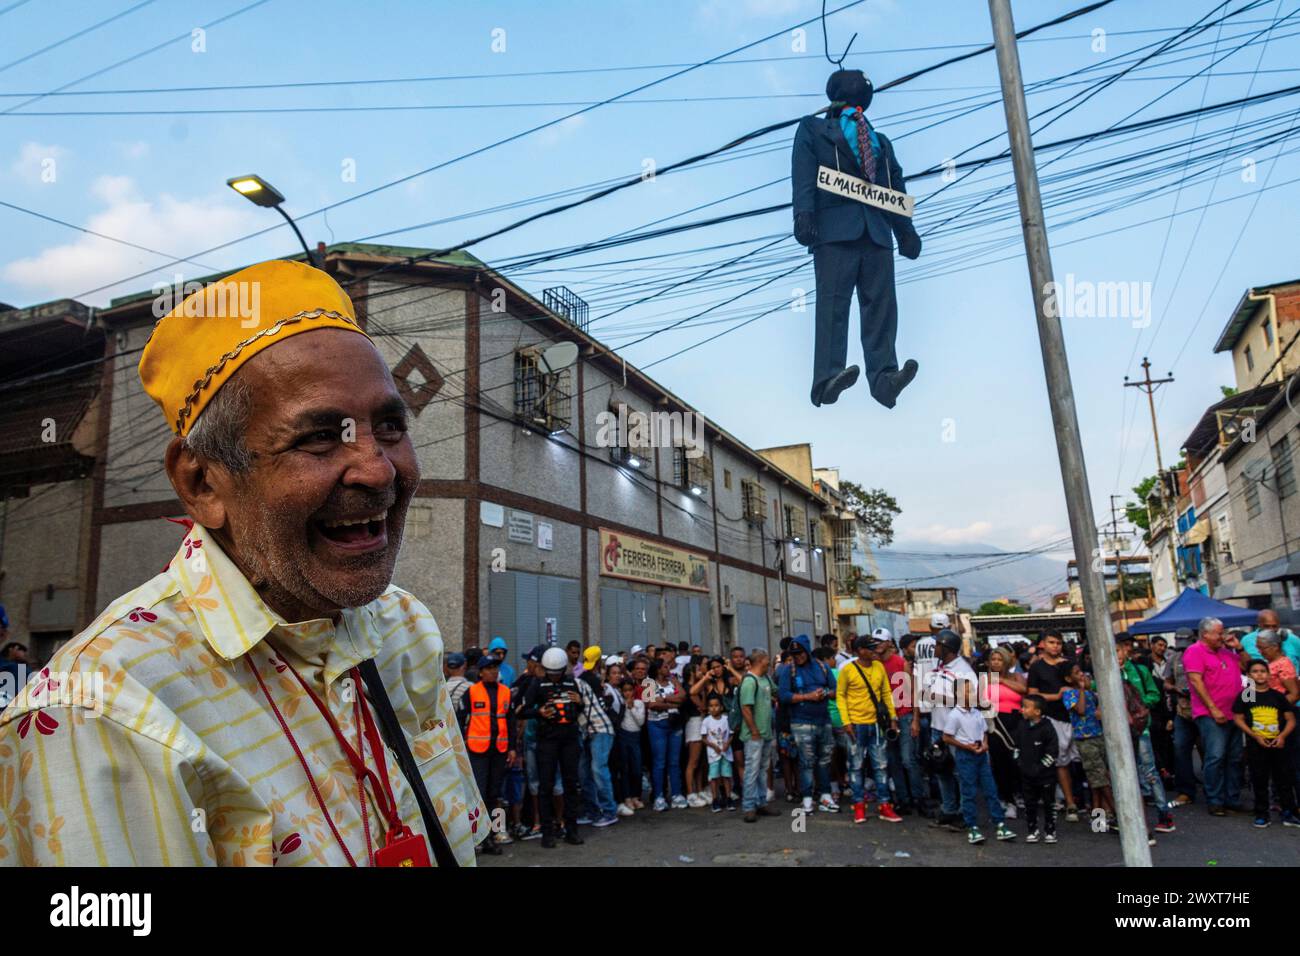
column 965, row 731
column 716, row 731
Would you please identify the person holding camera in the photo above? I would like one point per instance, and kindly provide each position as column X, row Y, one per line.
column 555, row 700
column 867, row 706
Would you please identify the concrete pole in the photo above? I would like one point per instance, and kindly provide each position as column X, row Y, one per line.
column 1078, row 500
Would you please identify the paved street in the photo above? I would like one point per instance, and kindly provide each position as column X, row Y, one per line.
column 705, row 838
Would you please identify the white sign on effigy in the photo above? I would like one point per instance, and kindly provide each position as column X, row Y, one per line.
column 851, row 187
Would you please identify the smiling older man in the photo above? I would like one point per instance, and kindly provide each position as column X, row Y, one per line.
column 270, row 697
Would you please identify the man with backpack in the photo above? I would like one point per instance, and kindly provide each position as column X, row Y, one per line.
column 866, row 706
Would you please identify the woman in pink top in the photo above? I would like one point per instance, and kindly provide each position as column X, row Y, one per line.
column 1004, row 692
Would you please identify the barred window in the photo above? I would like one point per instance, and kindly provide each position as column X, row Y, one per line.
column 794, row 522
column 692, row 474
column 1252, row 497
column 753, row 501
column 1284, row 466
column 542, row 400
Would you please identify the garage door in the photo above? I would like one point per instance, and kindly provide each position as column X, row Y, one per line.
column 520, row 604
column 628, row 617
column 687, row 618
column 752, row 621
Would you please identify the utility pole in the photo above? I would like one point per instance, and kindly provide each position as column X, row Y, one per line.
column 1119, row 565
column 1069, row 447
column 1149, row 385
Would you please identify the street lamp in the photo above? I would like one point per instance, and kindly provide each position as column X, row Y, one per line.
column 258, row 191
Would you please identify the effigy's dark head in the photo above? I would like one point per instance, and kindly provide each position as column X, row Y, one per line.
column 849, row 86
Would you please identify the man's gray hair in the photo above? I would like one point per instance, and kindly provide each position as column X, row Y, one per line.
column 1208, row 624
column 218, row 432
column 1268, row 637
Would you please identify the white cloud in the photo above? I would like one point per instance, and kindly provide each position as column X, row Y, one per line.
column 33, row 158
column 975, row 532
column 562, row 130
column 166, row 223
column 137, row 150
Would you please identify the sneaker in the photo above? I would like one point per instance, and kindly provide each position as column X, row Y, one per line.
column 717, row 806
column 827, row 804
column 624, row 810
column 1290, row 820
column 1261, row 823
column 1031, row 836
column 859, row 813
column 1218, row 811
column 1071, row 814
column 887, row 814
column 679, row 803
column 520, row 831
column 694, row 802
column 571, row 837
column 535, row 833
column 1049, row 838
column 586, row 820
column 1009, row 809
column 605, row 820
column 1004, row 832
column 636, row 803
column 705, row 796
column 733, row 803
column 548, row 841
column 973, row 836
column 751, row 816
column 1182, row 800
column 771, row 794
column 660, row 804
column 1151, row 839
column 807, row 805
column 1165, row 825
column 503, row 838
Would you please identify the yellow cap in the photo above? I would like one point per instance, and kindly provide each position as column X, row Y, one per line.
column 591, row 655
column 197, row 346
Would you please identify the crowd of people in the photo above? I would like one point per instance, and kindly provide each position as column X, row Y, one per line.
column 883, row 727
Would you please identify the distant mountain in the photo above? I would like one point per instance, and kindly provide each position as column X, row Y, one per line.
column 1033, row 578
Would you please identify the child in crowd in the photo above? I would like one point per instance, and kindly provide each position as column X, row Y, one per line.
column 1085, row 724
column 717, row 741
column 966, row 732
column 1267, row 720
column 1036, row 750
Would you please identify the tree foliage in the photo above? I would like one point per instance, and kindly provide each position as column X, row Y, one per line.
column 874, row 507
column 997, row 607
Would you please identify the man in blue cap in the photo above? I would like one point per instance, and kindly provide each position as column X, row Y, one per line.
column 805, row 686
column 497, row 648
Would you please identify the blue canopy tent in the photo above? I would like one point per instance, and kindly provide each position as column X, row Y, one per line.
column 1188, row 609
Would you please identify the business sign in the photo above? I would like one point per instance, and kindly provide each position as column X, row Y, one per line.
column 851, row 187
column 545, row 535
column 638, row 559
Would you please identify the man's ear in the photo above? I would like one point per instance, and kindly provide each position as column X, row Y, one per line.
column 193, row 478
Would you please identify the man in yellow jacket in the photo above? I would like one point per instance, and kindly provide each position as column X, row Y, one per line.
column 865, row 702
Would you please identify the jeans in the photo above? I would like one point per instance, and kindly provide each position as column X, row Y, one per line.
column 869, row 745
column 758, row 757
column 816, row 743
column 976, row 775
column 904, row 765
column 629, row 750
column 1222, row 749
column 1184, row 740
column 1149, row 781
column 597, row 786
column 948, row 792
column 665, row 754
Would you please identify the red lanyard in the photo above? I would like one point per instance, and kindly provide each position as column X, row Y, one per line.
column 387, row 803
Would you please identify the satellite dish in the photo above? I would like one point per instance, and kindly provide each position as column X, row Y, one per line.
column 1255, row 469
column 559, row 356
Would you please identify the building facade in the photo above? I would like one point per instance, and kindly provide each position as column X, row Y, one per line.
column 544, row 511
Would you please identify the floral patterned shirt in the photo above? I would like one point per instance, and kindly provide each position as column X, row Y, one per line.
column 148, row 740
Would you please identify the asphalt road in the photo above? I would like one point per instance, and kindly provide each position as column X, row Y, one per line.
column 703, row 838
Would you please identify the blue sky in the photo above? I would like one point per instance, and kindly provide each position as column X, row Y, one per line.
column 969, row 451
